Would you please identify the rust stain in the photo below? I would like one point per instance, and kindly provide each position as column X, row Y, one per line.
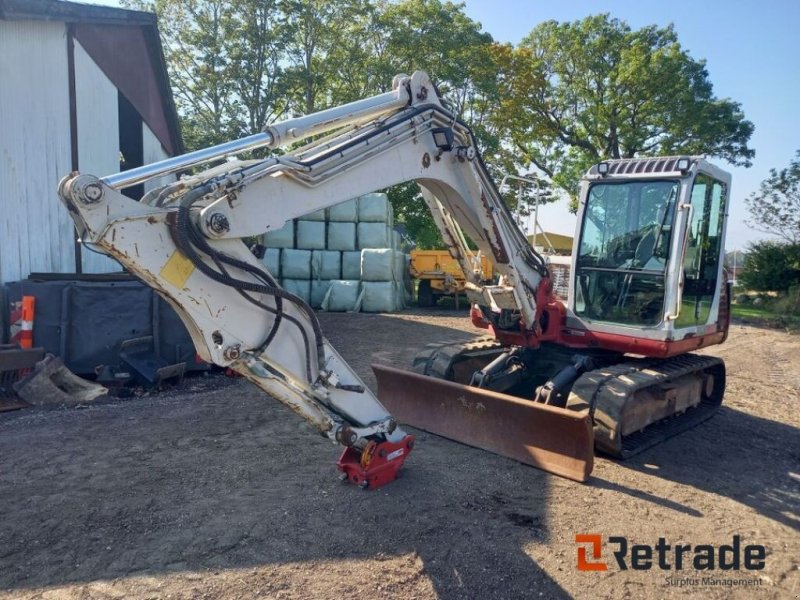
column 210, row 312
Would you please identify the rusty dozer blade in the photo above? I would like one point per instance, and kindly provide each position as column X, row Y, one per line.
column 553, row 439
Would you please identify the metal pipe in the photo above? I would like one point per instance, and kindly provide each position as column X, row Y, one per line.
column 138, row 175
column 338, row 116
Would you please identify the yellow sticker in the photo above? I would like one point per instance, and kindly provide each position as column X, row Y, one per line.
column 177, row 270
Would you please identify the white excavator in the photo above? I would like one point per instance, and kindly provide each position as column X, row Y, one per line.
column 550, row 382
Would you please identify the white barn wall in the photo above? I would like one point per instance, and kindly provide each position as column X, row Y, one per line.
column 36, row 233
column 98, row 137
column 153, row 152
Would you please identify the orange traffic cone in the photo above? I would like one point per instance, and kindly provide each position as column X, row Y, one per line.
column 25, row 337
column 22, row 321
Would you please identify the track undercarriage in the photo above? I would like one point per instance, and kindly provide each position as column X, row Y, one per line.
column 630, row 403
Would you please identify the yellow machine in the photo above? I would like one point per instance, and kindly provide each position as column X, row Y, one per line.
column 440, row 274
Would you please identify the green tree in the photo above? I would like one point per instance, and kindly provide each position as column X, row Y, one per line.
column 596, row 89
column 225, row 61
column 236, row 66
column 771, row 266
column 775, row 207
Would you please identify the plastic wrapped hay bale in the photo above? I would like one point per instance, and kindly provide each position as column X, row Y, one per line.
column 342, row 296
column 280, row 238
column 345, row 212
column 374, row 235
column 311, row 235
column 401, row 267
column 326, row 264
column 380, row 296
column 341, row 236
column 397, row 240
column 317, row 215
column 272, row 260
column 319, row 289
column 378, row 264
column 298, row 287
column 296, row 264
column 374, row 208
column 351, row 265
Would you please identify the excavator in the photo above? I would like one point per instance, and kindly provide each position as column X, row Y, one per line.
column 549, row 382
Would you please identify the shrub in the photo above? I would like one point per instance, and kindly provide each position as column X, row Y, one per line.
column 771, row 266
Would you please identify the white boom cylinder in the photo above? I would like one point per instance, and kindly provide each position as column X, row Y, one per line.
column 273, row 136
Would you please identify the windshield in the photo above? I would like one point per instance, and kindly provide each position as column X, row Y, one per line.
column 624, row 249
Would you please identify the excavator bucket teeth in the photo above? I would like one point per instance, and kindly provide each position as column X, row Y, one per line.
column 553, row 439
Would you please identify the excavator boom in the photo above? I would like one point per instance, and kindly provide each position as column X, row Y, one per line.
column 184, row 240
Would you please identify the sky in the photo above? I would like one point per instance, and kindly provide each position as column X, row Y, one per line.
column 752, row 53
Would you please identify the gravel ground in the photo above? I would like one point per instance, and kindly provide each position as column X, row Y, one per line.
column 215, row 491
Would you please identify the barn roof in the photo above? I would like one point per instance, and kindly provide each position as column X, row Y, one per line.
column 126, row 46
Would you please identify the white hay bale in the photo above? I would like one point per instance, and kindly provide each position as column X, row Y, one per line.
column 351, row 265
column 317, row 215
column 345, row 212
column 326, row 264
column 378, row 264
column 280, row 238
column 341, row 236
column 342, row 296
column 298, row 287
column 374, row 208
column 296, row 264
column 380, row 296
column 400, row 268
column 374, row 235
column 272, row 260
column 319, row 289
column 311, row 235
column 397, row 240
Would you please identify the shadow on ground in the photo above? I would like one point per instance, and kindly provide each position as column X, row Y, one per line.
column 748, row 459
column 228, row 479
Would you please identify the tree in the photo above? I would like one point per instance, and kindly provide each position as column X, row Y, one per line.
column 238, row 65
column 771, row 266
column 595, row 89
column 775, row 207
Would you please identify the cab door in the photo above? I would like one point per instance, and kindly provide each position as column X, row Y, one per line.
column 704, row 249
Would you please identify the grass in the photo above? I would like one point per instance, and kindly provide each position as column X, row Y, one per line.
column 761, row 315
column 747, row 312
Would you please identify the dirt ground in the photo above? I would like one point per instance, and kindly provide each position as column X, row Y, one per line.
column 215, row 491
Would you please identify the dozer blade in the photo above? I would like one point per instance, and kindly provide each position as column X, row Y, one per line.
column 553, row 439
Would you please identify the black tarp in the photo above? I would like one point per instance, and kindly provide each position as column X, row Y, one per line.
column 84, row 322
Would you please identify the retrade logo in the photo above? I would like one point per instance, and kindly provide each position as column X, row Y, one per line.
column 667, row 557
column 596, row 542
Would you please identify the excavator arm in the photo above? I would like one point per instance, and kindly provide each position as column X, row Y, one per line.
column 184, row 240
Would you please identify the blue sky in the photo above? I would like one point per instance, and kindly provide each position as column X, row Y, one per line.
column 752, row 50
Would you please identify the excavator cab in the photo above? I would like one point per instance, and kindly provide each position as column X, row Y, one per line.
column 648, row 254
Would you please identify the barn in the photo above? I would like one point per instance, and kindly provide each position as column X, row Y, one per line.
column 82, row 88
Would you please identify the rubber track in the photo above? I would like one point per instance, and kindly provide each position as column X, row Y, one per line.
column 601, row 389
column 437, row 359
